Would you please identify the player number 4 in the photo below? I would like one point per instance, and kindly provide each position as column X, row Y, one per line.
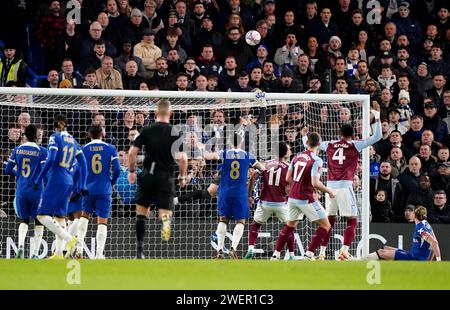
column 339, row 156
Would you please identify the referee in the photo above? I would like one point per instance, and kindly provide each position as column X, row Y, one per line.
column 155, row 183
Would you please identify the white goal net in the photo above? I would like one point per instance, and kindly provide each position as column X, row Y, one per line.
column 202, row 117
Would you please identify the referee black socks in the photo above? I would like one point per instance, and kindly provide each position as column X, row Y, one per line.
column 140, row 231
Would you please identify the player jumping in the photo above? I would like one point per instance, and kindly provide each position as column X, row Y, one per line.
column 273, row 197
column 342, row 161
column 304, row 176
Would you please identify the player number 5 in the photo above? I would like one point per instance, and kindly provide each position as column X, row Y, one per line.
column 26, row 169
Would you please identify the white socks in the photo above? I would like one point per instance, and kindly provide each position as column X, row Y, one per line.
column 221, row 232
column 38, row 233
column 73, row 227
column 371, row 256
column 323, row 250
column 54, row 227
column 23, row 230
column 60, row 242
column 344, row 249
column 102, row 232
column 237, row 235
column 82, row 230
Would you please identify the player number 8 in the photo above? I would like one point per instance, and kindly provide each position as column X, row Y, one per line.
column 234, row 173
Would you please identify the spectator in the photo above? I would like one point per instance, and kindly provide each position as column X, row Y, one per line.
column 261, row 56
column 381, row 208
column 51, row 81
column 207, row 62
column 68, row 73
column 444, row 111
column 302, row 71
column 267, row 38
column 398, row 162
column 287, row 55
column 409, row 179
column 428, row 161
column 125, row 8
column 424, row 195
column 208, row 35
column 110, row 32
column 182, row 31
column 171, row 43
column 235, row 45
column 148, row 51
column 95, row 33
column 394, row 122
column 433, row 122
column 286, row 83
column 408, row 216
column 201, row 83
column 151, row 19
column 387, row 78
column 242, row 83
column 435, row 93
column 428, row 139
column 191, row 69
column 182, row 83
column 134, row 27
column 439, row 212
column 269, row 73
column 131, row 80
column 443, row 155
column 121, row 129
column 361, row 76
column 416, row 98
column 94, row 60
column 441, row 180
column 90, row 79
column 127, row 55
column 414, row 134
column 405, row 110
column 12, row 67
column 125, row 190
column 49, row 29
column 423, row 78
column 436, row 63
column 386, row 103
column 324, row 29
column 68, row 45
column 115, row 17
column 107, row 76
column 406, row 25
column 162, row 79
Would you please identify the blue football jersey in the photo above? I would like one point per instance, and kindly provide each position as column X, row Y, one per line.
column 233, row 175
column 100, row 156
column 28, row 158
column 421, row 248
column 67, row 149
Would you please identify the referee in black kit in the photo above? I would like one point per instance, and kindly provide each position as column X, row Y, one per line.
column 155, row 183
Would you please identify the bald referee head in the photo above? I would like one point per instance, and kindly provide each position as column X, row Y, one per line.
column 163, row 111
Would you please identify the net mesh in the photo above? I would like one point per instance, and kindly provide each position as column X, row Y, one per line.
column 202, row 120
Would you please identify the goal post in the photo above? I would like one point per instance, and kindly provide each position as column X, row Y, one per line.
column 194, row 222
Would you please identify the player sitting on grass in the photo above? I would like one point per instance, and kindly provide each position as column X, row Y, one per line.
column 28, row 158
column 304, row 176
column 62, row 150
column 273, row 197
column 233, row 194
column 424, row 246
column 100, row 156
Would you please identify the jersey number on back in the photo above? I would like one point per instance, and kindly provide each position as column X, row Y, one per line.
column 26, row 169
column 299, row 171
column 67, row 157
column 339, row 156
column 234, row 172
column 274, row 174
column 97, row 164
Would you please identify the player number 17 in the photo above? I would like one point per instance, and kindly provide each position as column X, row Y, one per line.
column 298, row 174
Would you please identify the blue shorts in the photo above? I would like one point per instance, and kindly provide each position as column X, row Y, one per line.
column 26, row 206
column 75, row 206
column 55, row 200
column 98, row 204
column 404, row 255
column 233, row 208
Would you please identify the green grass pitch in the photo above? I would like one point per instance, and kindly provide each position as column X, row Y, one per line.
column 227, row 274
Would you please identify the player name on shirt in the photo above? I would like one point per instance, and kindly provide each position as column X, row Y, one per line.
column 97, row 148
column 28, row 152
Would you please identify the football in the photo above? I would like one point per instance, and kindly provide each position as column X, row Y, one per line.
column 252, row 37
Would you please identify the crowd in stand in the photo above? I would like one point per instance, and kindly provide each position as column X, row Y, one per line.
column 398, row 53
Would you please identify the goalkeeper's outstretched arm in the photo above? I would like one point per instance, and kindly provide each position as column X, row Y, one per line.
column 377, row 134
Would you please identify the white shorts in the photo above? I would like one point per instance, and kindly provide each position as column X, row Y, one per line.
column 313, row 211
column 344, row 202
column 263, row 212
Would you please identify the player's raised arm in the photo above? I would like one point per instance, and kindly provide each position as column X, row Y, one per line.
column 9, row 169
column 431, row 239
column 375, row 137
column 132, row 155
column 304, row 132
column 212, row 155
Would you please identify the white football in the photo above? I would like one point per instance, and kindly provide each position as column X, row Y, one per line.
column 252, row 37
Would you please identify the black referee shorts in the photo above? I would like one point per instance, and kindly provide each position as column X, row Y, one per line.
column 157, row 188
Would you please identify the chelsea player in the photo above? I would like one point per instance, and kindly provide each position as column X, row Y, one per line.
column 62, row 151
column 233, row 193
column 424, row 247
column 27, row 158
column 99, row 156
